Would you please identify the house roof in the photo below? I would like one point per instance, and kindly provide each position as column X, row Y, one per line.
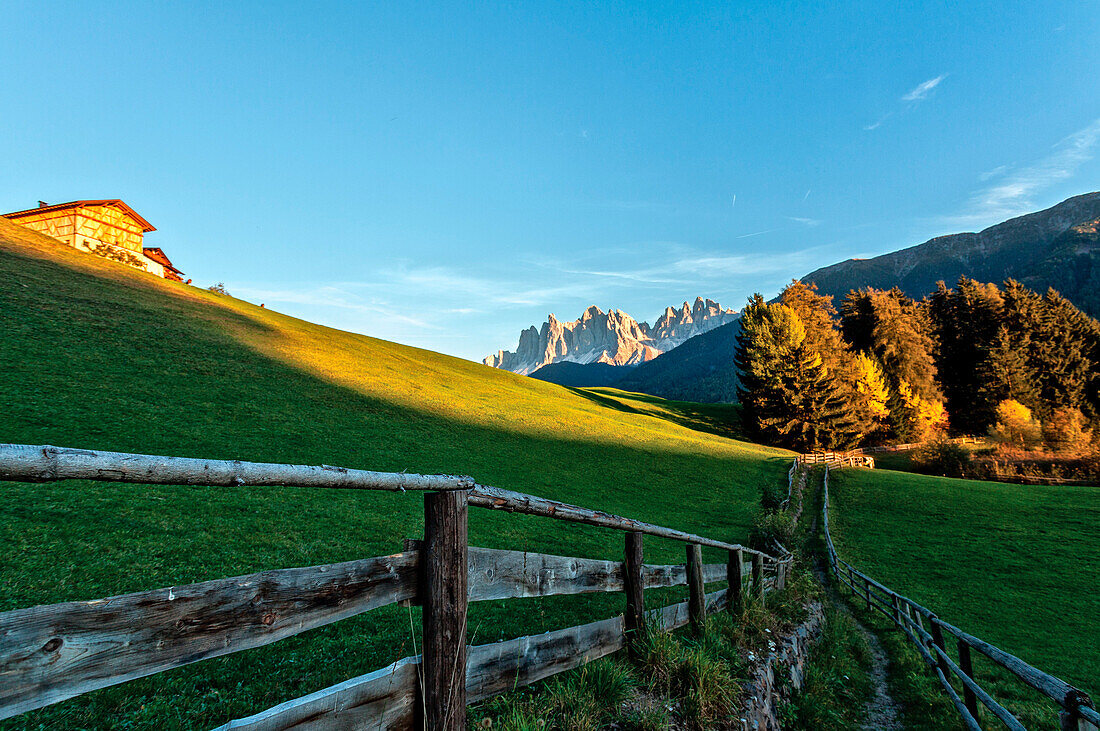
column 157, row 254
column 146, row 227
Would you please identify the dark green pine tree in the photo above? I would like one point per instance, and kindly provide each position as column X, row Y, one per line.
column 760, row 361
column 966, row 320
column 857, row 319
column 819, row 415
column 1007, row 372
column 1065, row 354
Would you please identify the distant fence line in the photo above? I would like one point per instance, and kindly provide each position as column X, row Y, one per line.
column 860, row 457
column 1077, row 711
column 55, row 652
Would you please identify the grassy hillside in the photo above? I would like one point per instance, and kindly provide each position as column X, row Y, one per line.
column 97, row 355
column 1012, row 564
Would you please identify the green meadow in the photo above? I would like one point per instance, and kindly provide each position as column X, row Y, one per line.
column 1013, row 564
column 96, row 355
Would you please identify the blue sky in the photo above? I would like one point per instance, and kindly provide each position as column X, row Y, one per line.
column 445, row 174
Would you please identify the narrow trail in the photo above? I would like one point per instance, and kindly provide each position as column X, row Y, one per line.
column 882, row 711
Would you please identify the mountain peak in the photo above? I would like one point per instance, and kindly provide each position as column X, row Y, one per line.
column 612, row 337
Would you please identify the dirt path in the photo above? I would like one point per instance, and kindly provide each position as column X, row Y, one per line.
column 883, row 713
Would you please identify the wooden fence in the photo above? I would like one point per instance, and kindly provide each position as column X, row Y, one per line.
column 927, row 632
column 860, row 457
column 51, row 653
column 836, row 459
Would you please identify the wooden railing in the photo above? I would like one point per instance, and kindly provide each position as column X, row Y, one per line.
column 860, row 457
column 927, row 632
column 854, row 458
column 51, row 653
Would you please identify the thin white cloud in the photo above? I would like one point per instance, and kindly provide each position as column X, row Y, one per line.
column 1015, row 193
column 876, row 125
column 917, row 94
column 756, row 233
column 995, row 172
column 806, row 221
column 923, row 89
column 720, row 267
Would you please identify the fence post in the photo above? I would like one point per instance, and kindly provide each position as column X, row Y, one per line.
column 867, row 591
column 634, row 586
column 937, row 638
column 1069, row 718
column 780, row 575
column 697, row 610
column 967, row 666
column 443, row 564
column 897, row 611
column 758, row 574
column 733, row 578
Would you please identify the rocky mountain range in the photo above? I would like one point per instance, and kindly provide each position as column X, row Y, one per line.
column 614, row 337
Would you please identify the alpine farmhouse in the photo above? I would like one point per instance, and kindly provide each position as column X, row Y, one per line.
column 107, row 228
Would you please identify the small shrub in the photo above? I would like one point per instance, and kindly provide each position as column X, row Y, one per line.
column 1064, row 432
column 704, row 684
column 769, row 527
column 218, row 288
column 942, row 457
column 772, row 495
column 660, row 655
column 1016, row 427
column 610, row 681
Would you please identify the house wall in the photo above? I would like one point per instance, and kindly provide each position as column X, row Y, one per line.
column 101, row 230
column 59, row 224
column 107, row 225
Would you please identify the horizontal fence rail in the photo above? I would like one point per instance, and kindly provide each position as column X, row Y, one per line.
column 55, row 652
column 926, row 631
column 43, row 463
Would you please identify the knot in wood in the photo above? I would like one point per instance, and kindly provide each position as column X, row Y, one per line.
column 269, row 619
column 53, row 645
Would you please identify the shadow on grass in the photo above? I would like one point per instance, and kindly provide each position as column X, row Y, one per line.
column 116, row 362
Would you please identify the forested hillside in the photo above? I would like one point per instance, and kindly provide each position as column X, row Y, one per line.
column 1058, row 247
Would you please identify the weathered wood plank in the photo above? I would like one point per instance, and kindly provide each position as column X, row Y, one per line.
column 674, row 616
column 50, row 653
column 497, row 574
column 443, row 563
column 714, row 572
column 496, row 498
column 43, row 463
column 384, row 699
column 502, row 666
column 500, row 574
